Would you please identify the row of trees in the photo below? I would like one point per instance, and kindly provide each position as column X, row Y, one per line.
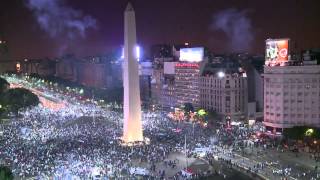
column 301, row 132
column 209, row 117
column 12, row 100
column 5, row 173
column 108, row 95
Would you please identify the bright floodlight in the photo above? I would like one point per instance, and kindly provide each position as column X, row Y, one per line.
column 122, row 53
column 221, row 74
column 138, row 52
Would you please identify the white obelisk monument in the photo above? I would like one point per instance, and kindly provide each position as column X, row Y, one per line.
column 132, row 126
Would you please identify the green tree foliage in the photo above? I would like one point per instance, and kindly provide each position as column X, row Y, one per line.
column 5, row 173
column 212, row 117
column 18, row 98
column 4, row 85
column 301, row 132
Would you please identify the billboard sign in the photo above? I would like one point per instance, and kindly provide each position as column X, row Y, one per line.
column 191, row 54
column 277, row 52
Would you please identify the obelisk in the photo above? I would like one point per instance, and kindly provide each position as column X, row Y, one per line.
column 132, row 126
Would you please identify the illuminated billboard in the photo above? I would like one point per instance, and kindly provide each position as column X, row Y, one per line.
column 191, row 54
column 277, row 51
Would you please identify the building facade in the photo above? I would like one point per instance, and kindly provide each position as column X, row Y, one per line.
column 226, row 94
column 187, row 83
column 291, row 97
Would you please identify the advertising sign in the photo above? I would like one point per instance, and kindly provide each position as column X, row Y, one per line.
column 277, row 51
column 187, row 65
column 191, row 54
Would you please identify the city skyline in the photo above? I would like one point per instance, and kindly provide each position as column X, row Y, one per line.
column 199, row 23
column 159, row 89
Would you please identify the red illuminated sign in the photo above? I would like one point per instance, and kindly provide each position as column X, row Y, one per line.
column 190, row 65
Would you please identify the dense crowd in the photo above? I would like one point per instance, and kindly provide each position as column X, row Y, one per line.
column 82, row 140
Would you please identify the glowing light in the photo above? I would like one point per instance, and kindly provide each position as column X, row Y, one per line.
column 202, row 112
column 191, row 54
column 138, row 52
column 309, row 132
column 221, row 74
column 122, row 53
column 18, row 67
column 277, row 52
column 187, row 65
column 244, row 74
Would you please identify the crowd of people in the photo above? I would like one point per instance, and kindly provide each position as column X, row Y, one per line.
column 82, row 140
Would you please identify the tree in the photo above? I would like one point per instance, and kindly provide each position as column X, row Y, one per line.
column 301, row 132
column 187, row 107
column 4, row 85
column 18, row 98
column 5, row 173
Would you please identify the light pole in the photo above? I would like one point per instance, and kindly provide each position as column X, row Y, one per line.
column 185, row 150
column 193, row 129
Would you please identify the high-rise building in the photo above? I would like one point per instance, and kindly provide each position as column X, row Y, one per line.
column 291, row 97
column 187, row 83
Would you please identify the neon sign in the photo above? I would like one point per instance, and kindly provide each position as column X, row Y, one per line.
column 190, row 65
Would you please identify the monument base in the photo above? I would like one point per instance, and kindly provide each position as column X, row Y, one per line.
column 145, row 141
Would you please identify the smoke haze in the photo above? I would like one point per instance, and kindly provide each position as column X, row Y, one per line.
column 237, row 27
column 55, row 18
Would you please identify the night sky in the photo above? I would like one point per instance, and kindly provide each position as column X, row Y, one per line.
column 50, row 28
